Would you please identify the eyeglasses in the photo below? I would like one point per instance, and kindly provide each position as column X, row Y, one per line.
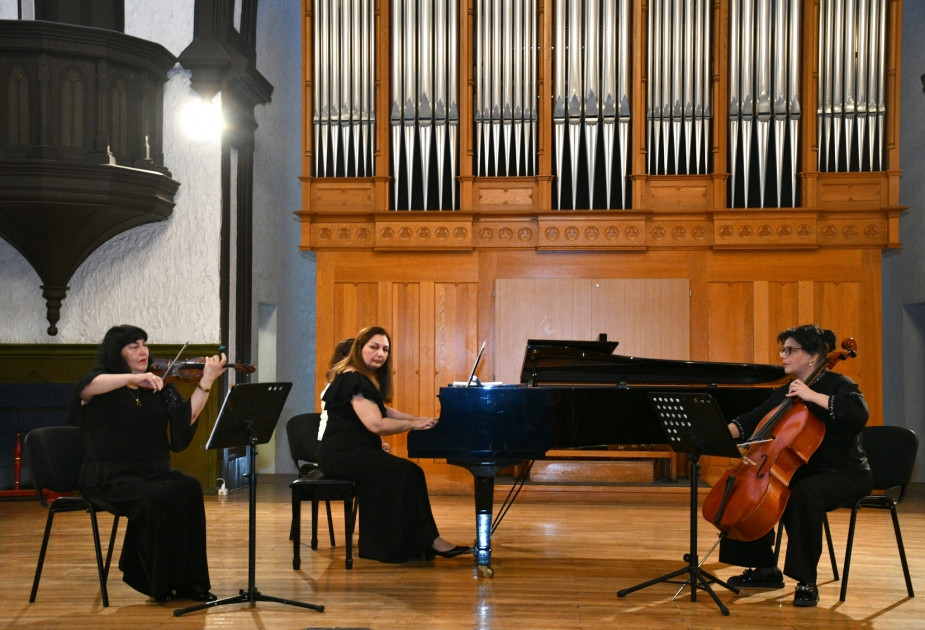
column 786, row 351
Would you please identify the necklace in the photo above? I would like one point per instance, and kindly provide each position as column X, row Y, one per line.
column 136, row 395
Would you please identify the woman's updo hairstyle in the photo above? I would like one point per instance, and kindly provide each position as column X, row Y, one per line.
column 814, row 339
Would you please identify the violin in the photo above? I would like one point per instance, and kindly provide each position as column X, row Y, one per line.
column 190, row 371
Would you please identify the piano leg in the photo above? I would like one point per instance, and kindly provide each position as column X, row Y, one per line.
column 484, row 473
column 484, row 499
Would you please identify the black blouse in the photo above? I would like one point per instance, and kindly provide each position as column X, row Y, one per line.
column 845, row 416
column 344, row 426
column 130, row 433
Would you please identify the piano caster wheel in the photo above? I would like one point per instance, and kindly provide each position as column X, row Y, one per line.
column 485, row 571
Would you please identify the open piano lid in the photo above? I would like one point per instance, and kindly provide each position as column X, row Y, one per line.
column 566, row 361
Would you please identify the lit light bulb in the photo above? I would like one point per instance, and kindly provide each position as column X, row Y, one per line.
column 202, row 121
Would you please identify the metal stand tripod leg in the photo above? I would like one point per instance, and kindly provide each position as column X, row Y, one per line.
column 696, row 577
column 251, row 595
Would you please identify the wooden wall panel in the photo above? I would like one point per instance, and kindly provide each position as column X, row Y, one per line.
column 729, row 328
column 356, row 306
column 406, row 325
column 455, row 329
column 838, row 307
column 648, row 317
column 701, row 305
column 537, row 309
column 634, row 312
column 783, row 310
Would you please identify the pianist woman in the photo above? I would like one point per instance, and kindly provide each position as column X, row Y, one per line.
column 396, row 522
column 836, row 471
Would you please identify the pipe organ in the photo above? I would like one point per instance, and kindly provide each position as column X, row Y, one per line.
column 447, row 104
column 453, row 145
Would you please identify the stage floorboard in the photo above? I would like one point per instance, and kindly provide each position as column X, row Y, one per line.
column 559, row 559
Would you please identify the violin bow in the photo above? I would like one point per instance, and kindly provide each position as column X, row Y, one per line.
column 175, row 359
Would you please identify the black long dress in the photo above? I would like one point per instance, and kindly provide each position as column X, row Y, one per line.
column 396, row 522
column 836, row 471
column 128, row 465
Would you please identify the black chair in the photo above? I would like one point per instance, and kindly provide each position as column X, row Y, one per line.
column 312, row 485
column 302, row 432
column 891, row 452
column 55, row 455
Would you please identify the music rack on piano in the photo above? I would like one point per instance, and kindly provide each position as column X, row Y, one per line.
column 573, row 395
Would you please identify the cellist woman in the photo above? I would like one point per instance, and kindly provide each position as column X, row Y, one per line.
column 835, row 472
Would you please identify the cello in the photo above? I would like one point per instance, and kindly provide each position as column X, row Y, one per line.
column 749, row 499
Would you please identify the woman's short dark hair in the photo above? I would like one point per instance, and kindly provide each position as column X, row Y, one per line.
column 109, row 355
column 812, row 338
column 382, row 377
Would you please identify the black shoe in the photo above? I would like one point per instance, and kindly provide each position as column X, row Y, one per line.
column 195, row 594
column 458, row 550
column 806, row 595
column 169, row 596
column 769, row 577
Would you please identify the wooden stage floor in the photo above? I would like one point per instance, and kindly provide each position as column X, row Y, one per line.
column 559, row 560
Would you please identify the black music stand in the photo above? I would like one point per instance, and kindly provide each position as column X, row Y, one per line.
column 693, row 424
column 248, row 417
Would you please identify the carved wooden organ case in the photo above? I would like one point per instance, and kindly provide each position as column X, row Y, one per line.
column 476, row 110
column 747, row 147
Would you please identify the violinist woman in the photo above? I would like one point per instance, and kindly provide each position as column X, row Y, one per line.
column 836, row 471
column 131, row 421
column 396, row 522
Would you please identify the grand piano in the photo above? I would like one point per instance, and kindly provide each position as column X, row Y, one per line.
column 572, row 395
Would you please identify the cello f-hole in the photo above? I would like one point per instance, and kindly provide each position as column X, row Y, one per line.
column 764, row 460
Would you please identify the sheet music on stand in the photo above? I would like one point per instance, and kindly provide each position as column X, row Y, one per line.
column 473, row 380
column 248, row 406
column 694, row 423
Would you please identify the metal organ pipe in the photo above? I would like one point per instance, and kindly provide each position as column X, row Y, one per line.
column 591, row 110
column 679, row 105
column 794, row 111
column 851, row 85
column 764, row 107
column 505, row 86
column 590, row 87
column 591, row 92
column 424, row 103
column 343, row 114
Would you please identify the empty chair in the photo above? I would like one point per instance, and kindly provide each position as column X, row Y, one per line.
column 55, row 455
column 891, row 452
column 312, row 485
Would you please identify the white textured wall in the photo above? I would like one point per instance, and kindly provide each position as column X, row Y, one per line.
column 9, row 9
column 162, row 276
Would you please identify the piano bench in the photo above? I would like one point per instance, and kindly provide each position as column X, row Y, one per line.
column 316, row 487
